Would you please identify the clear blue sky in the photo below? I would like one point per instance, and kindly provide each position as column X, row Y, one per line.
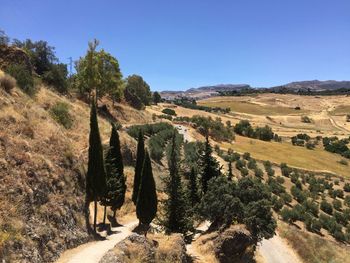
column 181, row 44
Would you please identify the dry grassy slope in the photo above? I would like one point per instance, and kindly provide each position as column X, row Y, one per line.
column 299, row 157
column 41, row 182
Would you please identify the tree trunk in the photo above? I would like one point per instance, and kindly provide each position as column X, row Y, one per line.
column 104, row 216
column 95, row 215
column 87, row 214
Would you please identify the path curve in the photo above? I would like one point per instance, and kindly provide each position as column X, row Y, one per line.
column 93, row 252
column 275, row 250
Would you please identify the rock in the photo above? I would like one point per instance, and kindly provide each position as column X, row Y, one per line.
column 234, row 245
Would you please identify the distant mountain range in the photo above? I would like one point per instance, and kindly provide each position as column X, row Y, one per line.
column 207, row 91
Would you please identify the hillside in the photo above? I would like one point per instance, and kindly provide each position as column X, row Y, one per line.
column 42, row 181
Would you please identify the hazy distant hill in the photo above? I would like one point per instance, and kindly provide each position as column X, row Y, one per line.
column 207, row 91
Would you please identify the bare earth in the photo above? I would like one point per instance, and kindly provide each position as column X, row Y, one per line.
column 275, row 250
column 92, row 252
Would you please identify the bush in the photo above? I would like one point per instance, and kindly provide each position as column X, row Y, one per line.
column 277, row 203
column 244, row 171
column 289, row 215
column 287, row 198
column 280, row 179
column 252, row 164
column 7, row 83
column 60, row 113
column 337, row 204
column 326, row 207
column 57, row 77
column 347, row 187
column 347, row 200
column 306, row 119
column 298, row 195
column 23, row 77
column 169, row 112
column 311, row 207
column 312, row 224
column 258, row 173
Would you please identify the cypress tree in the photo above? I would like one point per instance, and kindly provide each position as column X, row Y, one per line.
column 147, row 201
column 96, row 175
column 177, row 217
column 140, row 157
column 193, row 188
column 210, row 165
column 229, row 174
column 116, row 187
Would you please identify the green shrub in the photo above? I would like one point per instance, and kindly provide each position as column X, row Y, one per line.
column 347, row 187
column 326, row 207
column 246, row 156
column 258, row 173
column 287, row 198
column 252, row 164
column 311, row 207
column 60, row 113
column 169, row 112
column 244, row 171
column 337, row 204
column 280, row 179
column 347, row 200
column 23, row 77
column 277, row 203
column 298, row 195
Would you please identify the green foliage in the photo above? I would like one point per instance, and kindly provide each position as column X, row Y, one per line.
column 23, row 77
column 98, row 70
column 208, row 126
column 60, row 113
column 169, row 112
column 275, row 187
column 193, row 191
column 146, row 208
column 277, row 203
column 57, row 77
column 347, row 200
column 298, row 194
column 4, row 39
column 156, row 97
column 244, row 128
column 326, row 207
column 311, row 207
column 258, row 173
column 287, row 198
column 140, row 157
column 191, row 104
column 210, row 166
column 337, row 204
column 138, row 88
column 336, row 145
column 177, row 218
column 347, row 187
column 115, row 179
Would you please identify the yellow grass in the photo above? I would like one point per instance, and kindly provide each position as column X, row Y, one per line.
column 317, row 159
column 250, row 108
column 341, row 110
column 312, row 248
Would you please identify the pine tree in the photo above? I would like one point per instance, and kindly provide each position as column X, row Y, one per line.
column 177, row 218
column 147, row 201
column 116, row 187
column 210, row 165
column 193, row 188
column 96, row 175
column 230, row 174
column 140, row 157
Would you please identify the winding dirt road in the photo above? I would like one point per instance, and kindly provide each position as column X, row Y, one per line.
column 92, row 252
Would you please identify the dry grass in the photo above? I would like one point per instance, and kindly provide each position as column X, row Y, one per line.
column 249, row 107
column 300, row 157
column 7, row 82
column 312, row 248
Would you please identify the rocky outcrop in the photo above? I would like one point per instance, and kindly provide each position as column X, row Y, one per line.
column 13, row 55
column 157, row 249
column 235, row 244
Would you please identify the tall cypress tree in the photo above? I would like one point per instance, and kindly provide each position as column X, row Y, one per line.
column 229, row 174
column 177, row 218
column 210, row 165
column 116, row 187
column 140, row 157
column 193, row 188
column 96, row 175
column 147, row 201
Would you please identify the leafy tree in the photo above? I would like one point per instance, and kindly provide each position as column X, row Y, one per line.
column 24, row 78
column 146, row 207
column 140, row 157
column 136, row 86
column 156, row 97
column 210, row 165
column 115, row 179
column 177, row 219
column 98, row 71
column 326, row 207
column 57, row 77
column 337, row 204
column 96, row 174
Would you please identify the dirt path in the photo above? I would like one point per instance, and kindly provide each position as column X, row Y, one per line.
column 92, row 252
column 275, row 250
column 191, row 250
